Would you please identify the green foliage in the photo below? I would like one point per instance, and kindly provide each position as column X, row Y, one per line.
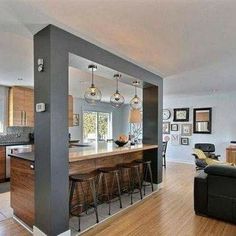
column 90, row 124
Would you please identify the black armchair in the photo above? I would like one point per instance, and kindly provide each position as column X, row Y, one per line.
column 209, row 151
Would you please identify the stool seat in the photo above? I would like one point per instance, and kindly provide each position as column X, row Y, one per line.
column 141, row 161
column 128, row 165
column 83, row 177
column 108, row 169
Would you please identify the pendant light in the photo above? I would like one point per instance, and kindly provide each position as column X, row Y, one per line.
column 136, row 102
column 117, row 100
column 92, row 94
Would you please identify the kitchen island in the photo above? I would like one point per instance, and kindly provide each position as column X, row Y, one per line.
column 81, row 160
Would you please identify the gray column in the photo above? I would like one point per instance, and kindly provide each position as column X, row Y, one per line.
column 51, row 136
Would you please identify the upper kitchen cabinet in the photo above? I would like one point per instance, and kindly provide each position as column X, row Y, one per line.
column 70, row 111
column 21, row 106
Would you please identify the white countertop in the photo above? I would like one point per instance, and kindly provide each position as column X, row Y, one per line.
column 104, row 149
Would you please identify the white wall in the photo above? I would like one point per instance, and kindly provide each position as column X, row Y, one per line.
column 223, row 123
column 119, row 117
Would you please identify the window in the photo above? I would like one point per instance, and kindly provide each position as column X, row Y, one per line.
column 97, row 126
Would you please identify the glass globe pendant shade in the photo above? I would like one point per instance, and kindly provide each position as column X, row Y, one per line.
column 92, row 95
column 117, row 100
column 136, row 102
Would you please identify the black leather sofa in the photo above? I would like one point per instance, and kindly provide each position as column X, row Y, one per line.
column 215, row 192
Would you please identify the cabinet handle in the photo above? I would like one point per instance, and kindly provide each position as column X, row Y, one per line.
column 25, row 118
column 21, row 117
column 32, row 166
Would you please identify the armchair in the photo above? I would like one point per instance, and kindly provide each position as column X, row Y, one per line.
column 209, row 150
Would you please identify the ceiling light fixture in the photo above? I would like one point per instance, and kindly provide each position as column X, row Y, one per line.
column 136, row 102
column 92, row 94
column 117, row 100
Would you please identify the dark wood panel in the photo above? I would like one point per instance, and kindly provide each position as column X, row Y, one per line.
column 22, row 190
column 2, row 164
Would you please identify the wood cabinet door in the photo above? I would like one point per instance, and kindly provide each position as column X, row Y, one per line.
column 2, row 164
column 29, row 107
column 16, row 106
column 70, row 111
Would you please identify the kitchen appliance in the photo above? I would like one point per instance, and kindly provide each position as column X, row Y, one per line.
column 14, row 150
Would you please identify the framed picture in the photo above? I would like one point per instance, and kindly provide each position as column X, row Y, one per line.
column 184, row 141
column 75, row 119
column 186, row 129
column 181, row 114
column 174, row 127
column 166, row 128
column 175, row 139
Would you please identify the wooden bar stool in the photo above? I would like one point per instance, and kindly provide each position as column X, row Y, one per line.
column 132, row 170
column 90, row 179
column 113, row 172
column 147, row 170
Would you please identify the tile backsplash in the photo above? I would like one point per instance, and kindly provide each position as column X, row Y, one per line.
column 16, row 134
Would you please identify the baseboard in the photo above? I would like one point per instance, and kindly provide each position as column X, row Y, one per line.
column 23, row 224
column 38, row 232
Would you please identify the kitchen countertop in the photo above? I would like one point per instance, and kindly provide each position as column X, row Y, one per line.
column 15, row 144
column 94, row 151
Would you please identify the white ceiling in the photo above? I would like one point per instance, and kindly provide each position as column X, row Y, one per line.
column 191, row 43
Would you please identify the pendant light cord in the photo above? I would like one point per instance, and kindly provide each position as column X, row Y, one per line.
column 92, row 78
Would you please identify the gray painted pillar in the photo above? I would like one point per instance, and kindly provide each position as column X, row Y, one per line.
column 152, row 125
column 51, row 136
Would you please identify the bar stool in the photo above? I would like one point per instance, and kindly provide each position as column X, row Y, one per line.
column 90, row 179
column 132, row 170
column 146, row 170
column 114, row 173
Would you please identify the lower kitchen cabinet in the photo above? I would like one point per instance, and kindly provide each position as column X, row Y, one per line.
column 2, row 164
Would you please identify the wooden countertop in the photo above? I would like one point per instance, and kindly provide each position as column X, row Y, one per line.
column 94, row 151
column 104, row 149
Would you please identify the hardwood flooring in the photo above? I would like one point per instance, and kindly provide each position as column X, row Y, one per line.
column 167, row 212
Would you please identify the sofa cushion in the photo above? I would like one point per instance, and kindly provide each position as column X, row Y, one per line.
column 221, row 170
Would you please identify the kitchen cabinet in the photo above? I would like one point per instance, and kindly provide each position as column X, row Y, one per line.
column 2, row 163
column 21, row 107
column 231, row 154
column 70, row 111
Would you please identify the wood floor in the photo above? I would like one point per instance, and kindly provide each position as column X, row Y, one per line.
column 168, row 212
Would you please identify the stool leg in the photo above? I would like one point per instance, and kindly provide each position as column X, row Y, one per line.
column 150, row 173
column 129, row 182
column 145, row 178
column 85, row 204
column 72, row 189
column 108, row 194
column 139, row 182
column 118, row 185
column 93, row 190
column 99, row 184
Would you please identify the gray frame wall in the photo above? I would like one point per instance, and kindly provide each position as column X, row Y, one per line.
column 51, row 130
